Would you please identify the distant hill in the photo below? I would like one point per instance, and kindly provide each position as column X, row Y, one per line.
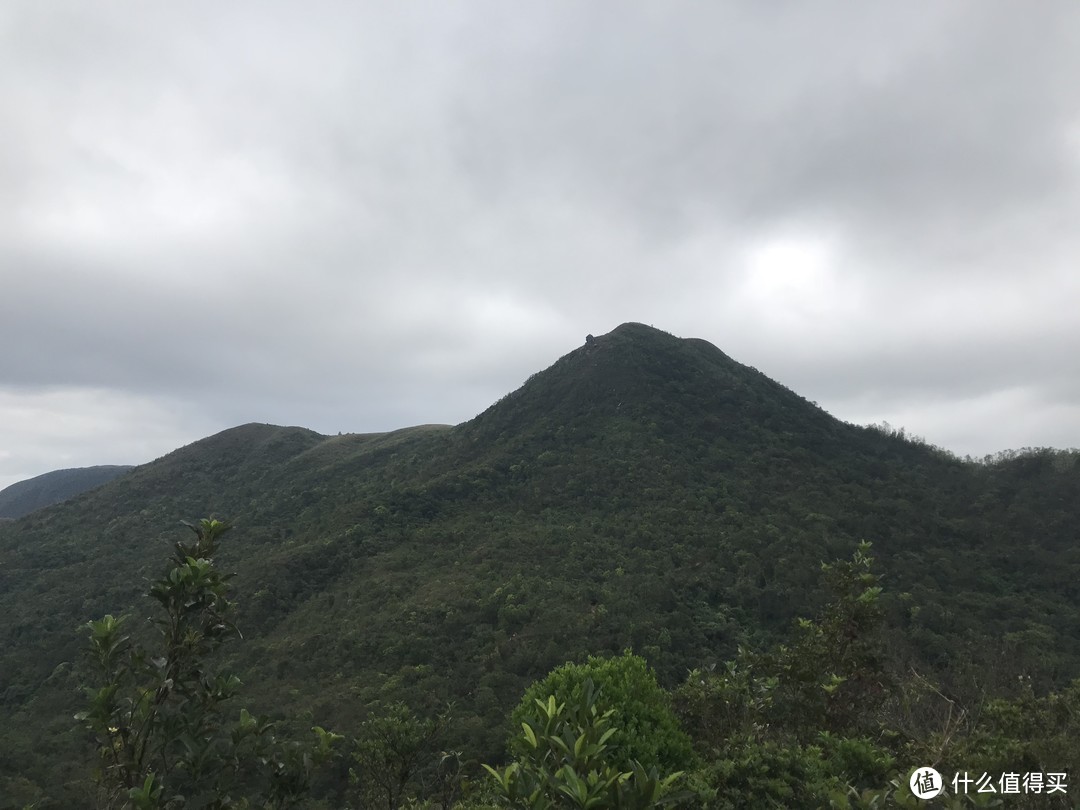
column 645, row 491
column 24, row 497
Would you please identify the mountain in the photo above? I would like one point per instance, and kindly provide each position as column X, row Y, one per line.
column 24, row 497
column 645, row 491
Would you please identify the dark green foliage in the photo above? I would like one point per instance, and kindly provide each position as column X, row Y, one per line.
column 644, row 492
column 392, row 754
column 566, row 756
column 771, row 733
column 763, row 773
column 24, row 497
column 794, row 726
column 645, row 728
column 1025, row 734
column 832, row 676
column 160, row 715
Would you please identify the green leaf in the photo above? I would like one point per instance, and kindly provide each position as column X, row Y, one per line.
column 530, row 736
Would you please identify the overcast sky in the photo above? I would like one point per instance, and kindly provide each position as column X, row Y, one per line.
column 363, row 216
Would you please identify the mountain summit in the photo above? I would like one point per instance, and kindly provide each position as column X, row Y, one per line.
column 638, row 383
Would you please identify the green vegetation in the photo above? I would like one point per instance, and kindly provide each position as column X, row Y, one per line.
column 820, row 721
column 24, row 497
column 643, row 726
column 643, row 493
column 568, row 754
column 393, row 755
column 802, row 724
column 159, row 714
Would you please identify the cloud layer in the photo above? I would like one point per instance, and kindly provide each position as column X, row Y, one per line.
column 363, row 216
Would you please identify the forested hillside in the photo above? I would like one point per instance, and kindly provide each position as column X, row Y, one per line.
column 23, row 497
column 645, row 492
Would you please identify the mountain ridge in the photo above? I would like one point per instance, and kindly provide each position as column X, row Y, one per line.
column 643, row 491
column 31, row 494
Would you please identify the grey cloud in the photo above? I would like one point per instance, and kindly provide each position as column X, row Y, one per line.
column 365, row 216
column 801, row 110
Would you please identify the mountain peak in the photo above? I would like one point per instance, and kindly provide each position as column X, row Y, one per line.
column 634, row 328
column 634, row 331
column 644, row 378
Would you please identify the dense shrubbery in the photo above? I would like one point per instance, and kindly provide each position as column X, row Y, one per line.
column 644, row 727
column 161, row 715
column 568, row 754
column 819, row 721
